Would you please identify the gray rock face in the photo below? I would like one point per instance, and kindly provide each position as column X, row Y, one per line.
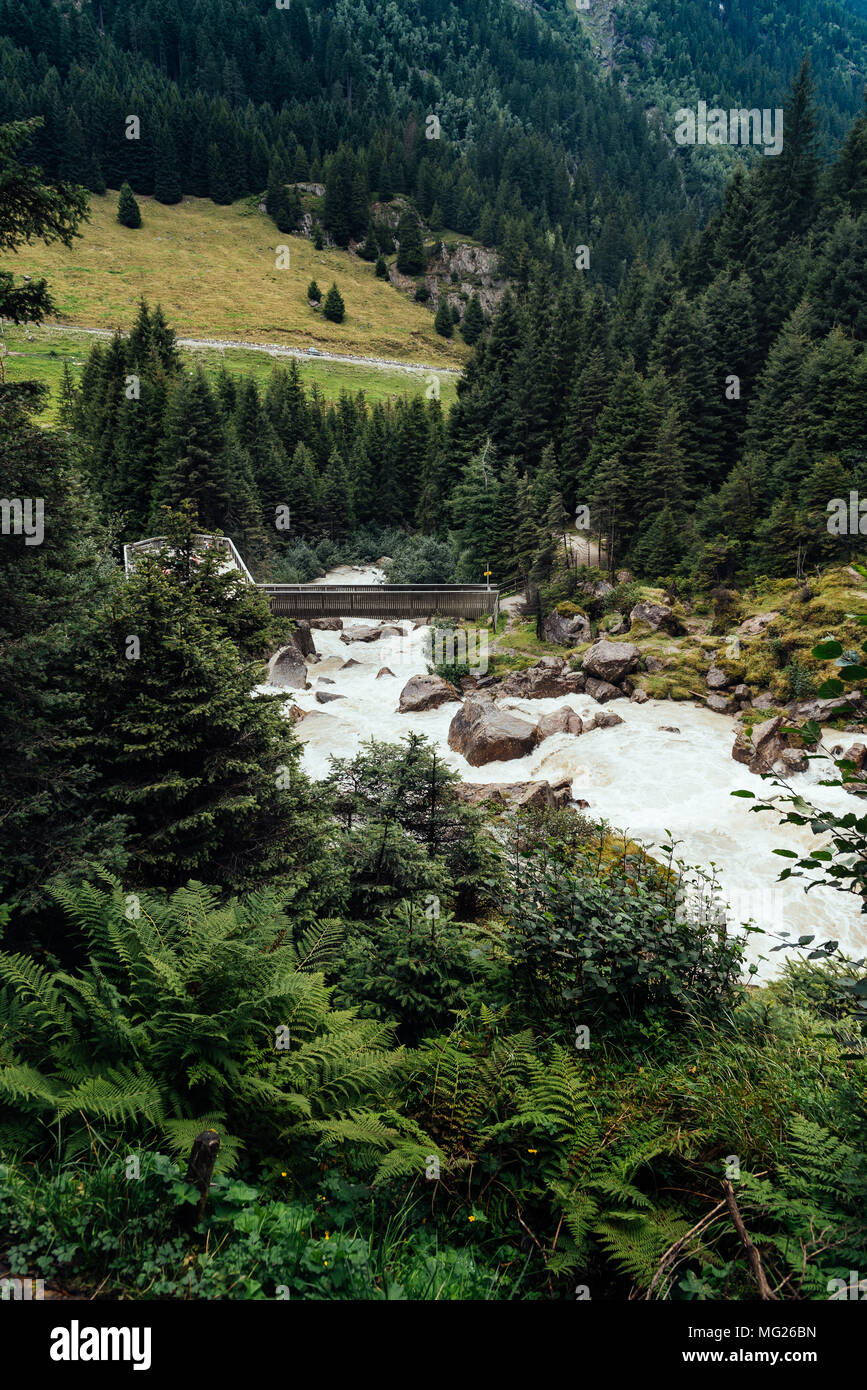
column 548, row 679
column 426, row 692
column 658, row 617
column 603, row 691
column 357, row 633
column 538, row 794
column 610, row 661
column 717, row 679
column 288, row 670
column 567, row 630
column 559, row 721
column 484, row 734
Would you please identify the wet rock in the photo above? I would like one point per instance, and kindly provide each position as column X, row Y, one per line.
column 610, row 661
column 567, row 629
column 658, row 617
column 327, row 624
column 794, row 760
column 324, row 697
column 603, row 691
column 548, row 679
column 721, row 704
column 559, row 721
column 484, row 734
column 606, row 719
column 351, row 662
column 741, row 692
column 324, row 680
column 856, row 754
column 303, row 638
column 669, row 729
column 426, row 692
column 639, row 697
column 357, row 633
column 717, row 679
column 384, row 671
column 288, row 670
column 766, row 747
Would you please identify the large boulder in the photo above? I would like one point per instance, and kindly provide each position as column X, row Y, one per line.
column 766, row 747
column 426, row 692
column 357, row 633
column 549, row 679
column 603, row 691
column 484, row 734
column 568, row 629
column 541, row 795
column 327, row 624
column 610, row 661
column 717, row 679
column 559, row 721
column 721, row 704
column 657, row 617
column 288, row 670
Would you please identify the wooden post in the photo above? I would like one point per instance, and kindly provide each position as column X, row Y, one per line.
column 203, row 1156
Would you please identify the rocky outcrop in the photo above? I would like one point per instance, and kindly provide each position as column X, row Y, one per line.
column 542, row 795
column 426, row 692
column 656, row 617
column 303, row 638
column 484, row 734
column 327, row 624
column 610, row 661
column 559, row 721
column 567, row 629
column 357, row 633
column 547, row 680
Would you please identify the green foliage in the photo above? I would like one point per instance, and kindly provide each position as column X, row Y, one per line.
column 334, row 308
column 184, row 1013
column 128, row 211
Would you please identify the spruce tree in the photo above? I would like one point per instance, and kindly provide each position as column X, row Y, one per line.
column 334, row 308
column 443, row 321
column 411, row 258
column 167, row 178
column 381, row 268
column 128, row 214
column 473, row 325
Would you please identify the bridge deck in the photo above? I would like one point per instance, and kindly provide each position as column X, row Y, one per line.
column 381, row 600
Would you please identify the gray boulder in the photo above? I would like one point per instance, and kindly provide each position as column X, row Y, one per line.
column 658, row 617
column 549, row 679
column 567, row 630
column 426, row 692
column 357, row 633
column 484, row 734
column 717, row 679
column 559, row 721
column 603, row 691
column 610, row 661
column 288, row 670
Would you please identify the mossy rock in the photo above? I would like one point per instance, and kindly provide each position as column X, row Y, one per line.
column 567, row 609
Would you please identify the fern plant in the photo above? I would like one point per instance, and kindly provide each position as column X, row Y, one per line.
column 190, row 1015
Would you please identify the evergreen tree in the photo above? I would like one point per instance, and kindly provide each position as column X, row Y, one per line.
column 167, row 178
column 128, row 214
column 443, row 321
column 381, row 268
column 473, row 325
column 411, row 258
column 334, row 308
column 314, row 292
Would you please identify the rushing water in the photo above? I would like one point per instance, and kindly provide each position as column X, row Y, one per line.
column 641, row 779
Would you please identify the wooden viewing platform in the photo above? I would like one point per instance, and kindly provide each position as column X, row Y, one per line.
column 419, row 601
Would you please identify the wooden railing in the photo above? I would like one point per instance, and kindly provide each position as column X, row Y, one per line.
column 418, row 601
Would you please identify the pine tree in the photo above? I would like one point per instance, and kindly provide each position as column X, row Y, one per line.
column 381, row 268
column 193, row 466
column 314, row 292
column 369, row 249
column 167, row 179
column 334, row 308
column 128, row 213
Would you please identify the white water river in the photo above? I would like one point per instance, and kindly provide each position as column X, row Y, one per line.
column 640, row 779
